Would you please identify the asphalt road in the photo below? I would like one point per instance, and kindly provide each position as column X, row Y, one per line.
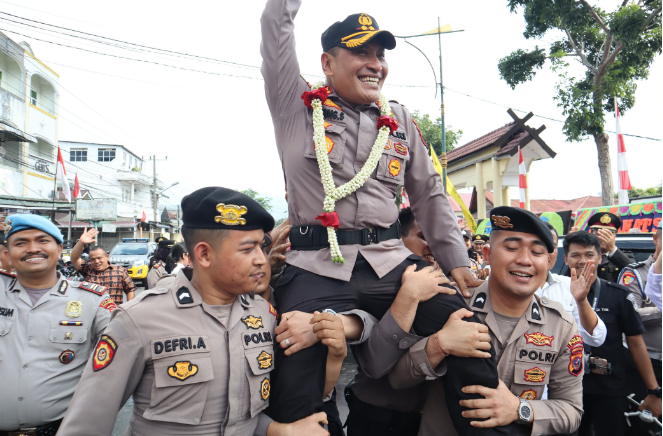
column 348, row 372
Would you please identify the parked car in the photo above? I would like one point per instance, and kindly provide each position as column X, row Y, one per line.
column 639, row 245
column 134, row 255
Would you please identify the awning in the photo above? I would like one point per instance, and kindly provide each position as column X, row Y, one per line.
column 13, row 202
column 8, row 133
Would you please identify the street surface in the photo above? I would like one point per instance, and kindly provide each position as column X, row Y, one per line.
column 348, row 372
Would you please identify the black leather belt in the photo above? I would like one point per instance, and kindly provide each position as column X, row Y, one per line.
column 42, row 430
column 315, row 237
column 392, row 418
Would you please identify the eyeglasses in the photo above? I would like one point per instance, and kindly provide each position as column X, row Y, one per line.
column 596, row 230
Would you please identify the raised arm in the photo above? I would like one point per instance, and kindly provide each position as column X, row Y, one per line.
column 86, row 238
column 280, row 68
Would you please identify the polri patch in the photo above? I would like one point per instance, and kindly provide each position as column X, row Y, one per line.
column 576, row 359
column 182, row 370
column 265, row 388
column 108, row 304
column 536, row 375
column 264, row 360
column 253, row 322
column 184, row 296
column 479, row 300
column 539, row 339
column 67, row 356
column 627, row 278
column 104, row 353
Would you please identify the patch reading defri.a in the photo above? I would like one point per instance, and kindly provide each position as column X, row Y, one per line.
column 104, row 353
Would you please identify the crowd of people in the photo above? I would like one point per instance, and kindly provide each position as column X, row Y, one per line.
column 244, row 326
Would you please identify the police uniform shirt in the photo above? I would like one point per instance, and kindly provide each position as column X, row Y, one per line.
column 612, row 264
column 619, row 316
column 188, row 373
column 353, row 131
column 157, row 271
column 44, row 347
column 544, row 349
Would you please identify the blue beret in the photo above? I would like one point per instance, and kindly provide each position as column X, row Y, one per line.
column 514, row 219
column 26, row 221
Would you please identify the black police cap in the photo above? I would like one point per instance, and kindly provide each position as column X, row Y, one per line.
column 513, row 219
column 355, row 31
column 604, row 220
column 224, row 209
column 484, row 238
column 167, row 243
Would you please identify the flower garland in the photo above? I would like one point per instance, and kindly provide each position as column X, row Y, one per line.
column 386, row 126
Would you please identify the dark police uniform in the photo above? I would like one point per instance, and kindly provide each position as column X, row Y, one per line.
column 472, row 253
column 611, row 263
column 604, row 396
column 191, row 367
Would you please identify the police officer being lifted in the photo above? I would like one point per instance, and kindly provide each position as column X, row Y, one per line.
column 48, row 329
column 197, row 354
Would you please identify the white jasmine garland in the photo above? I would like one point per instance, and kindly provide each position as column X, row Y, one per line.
column 332, row 192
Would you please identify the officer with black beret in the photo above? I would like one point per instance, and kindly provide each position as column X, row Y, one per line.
column 158, row 261
column 605, row 226
column 197, row 354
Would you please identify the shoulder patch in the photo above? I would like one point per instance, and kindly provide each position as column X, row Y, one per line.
column 272, row 310
column 479, row 300
column 627, row 277
column 7, row 273
column 557, row 307
column 92, row 287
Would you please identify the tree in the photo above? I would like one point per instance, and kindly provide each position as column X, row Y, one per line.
column 431, row 132
column 615, row 50
column 637, row 192
column 264, row 202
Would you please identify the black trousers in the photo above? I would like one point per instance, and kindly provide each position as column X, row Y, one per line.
column 605, row 414
column 637, row 386
column 298, row 380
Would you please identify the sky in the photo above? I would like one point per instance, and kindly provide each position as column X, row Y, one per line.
column 214, row 126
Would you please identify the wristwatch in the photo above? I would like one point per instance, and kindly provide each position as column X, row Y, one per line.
column 524, row 412
column 656, row 392
column 330, row 311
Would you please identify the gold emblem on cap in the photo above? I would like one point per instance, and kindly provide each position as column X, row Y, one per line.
column 231, row 215
column 502, row 221
column 605, row 219
column 8, row 227
column 74, row 309
column 366, row 22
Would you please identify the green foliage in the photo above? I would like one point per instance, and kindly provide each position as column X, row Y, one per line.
column 519, row 66
column 279, row 221
column 137, row 169
column 431, row 131
column 648, row 192
column 264, row 202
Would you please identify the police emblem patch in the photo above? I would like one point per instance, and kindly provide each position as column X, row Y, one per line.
column 7, row 226
column 394, row 167
column 108, row 304
column 253, row 322
column 265, row 387
column 104, row 353
column 576, row 359
column 74, row 309
column 230, row 215
column 605, row 219
column 539, row 339
column 627, row 278
column 330, row 144
column 265, row 360
column 182, row 370
column 502, row 221
column 67, row 356
column 400, row 148
column 529, row 394
column 536, row 375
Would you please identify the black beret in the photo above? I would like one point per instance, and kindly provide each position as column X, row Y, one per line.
column 167, row 243
column 355, row 31
column 484, row 238
column 224, row 209
column 514, row 219
column 604, row 220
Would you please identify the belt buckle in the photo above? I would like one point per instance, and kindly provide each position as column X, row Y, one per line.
column 370, row 236
column 32, row 431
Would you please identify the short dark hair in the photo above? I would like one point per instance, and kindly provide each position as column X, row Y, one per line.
column 584, row 239
column 193, row 237
column 552, row 229
column 406, row 218
column 333, row 52
column 98, row 247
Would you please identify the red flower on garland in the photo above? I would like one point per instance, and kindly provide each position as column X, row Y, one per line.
column 320, row 93
column 386, row 120
column 329, row 219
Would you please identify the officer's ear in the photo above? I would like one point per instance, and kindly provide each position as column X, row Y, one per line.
column 486, row 254
column 202, row 254
column 565, row 262
column 328, row 60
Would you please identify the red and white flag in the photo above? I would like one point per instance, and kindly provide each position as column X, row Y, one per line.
column 62, row 175
column 622, row 166
column 144, row 219
column 522, row 180
column 77, row 188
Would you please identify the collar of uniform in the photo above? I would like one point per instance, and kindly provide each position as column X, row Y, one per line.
column 335, row 96
column 530, row 313
column 475, row 302
column 62, row 283
column 181, row 281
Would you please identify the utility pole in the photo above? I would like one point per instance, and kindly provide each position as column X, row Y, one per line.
column 155, row 195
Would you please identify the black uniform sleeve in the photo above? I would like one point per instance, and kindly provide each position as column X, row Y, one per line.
column 629, row 320
column 620, row 259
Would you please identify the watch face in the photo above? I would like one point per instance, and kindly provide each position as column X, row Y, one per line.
column 525, row 412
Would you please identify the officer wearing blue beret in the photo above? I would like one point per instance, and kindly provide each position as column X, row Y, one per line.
column 48, row 328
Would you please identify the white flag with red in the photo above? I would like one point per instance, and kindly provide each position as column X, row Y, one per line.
column 622, row 166
column 62, row 175
column 77, row 187
column 522, row 180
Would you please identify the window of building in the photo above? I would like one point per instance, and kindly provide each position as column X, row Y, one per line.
column 106, row 154
column 33, row 97
column 78, row 155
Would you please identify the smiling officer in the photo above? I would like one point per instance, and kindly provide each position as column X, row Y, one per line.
column 196, row 355
column 48, row 329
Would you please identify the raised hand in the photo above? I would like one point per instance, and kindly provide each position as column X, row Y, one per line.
column 89, row 236
column 580, row 285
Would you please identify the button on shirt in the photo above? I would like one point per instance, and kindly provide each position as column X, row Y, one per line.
column 115, row 278
column 38, row 377
column 352, row 131
column 558, row 288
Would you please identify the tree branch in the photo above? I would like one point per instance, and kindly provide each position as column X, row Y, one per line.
column 624, row 4
column 651, row 17
column 585, row 62
column 605, row 64
column 606, row 49
column 596, row 16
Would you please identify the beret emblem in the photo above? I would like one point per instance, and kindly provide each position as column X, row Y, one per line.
column 605, row 219
column 502, row 221
column 230, row 214
column 8, row 227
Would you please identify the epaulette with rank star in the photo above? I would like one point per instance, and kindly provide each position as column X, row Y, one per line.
column 7, row 273
column 636, row 265
column 92, row 287
column 158, row 264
